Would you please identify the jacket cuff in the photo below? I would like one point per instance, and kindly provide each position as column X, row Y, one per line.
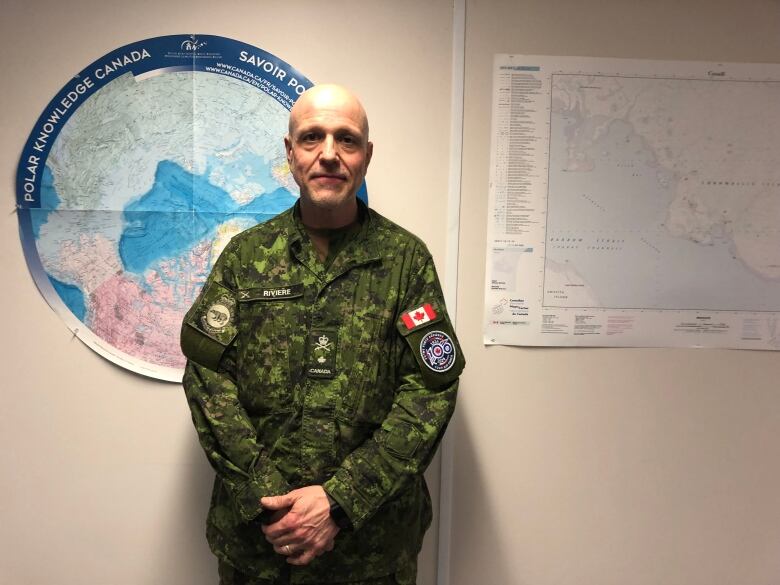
column 247, row 497
column 355, row 505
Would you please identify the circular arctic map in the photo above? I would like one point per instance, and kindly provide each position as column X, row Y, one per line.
column 136, row 176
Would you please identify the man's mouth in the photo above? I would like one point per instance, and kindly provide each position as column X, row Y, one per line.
column 328, row 178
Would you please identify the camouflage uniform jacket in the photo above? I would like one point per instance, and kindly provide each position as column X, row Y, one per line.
column 342, row 375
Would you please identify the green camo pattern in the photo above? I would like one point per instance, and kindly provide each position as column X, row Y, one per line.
column 301, row 373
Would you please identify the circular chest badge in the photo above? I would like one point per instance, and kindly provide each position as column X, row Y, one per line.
column 437, row 351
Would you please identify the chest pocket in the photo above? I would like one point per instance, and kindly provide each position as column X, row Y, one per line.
column 270, row 343
column 366, row 359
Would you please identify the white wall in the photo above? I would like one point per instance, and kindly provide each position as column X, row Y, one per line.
column 102, row 479
column 608, row 466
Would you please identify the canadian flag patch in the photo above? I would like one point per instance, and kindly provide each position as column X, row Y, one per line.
column 418, row 316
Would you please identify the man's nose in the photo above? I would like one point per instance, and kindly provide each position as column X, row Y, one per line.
column 328, row 149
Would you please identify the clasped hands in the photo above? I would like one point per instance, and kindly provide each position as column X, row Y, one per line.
column 301, row 527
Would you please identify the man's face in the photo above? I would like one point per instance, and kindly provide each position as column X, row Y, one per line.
column 327, row 148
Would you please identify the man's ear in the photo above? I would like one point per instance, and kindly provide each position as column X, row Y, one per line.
column 288, row 148
column 369, row 152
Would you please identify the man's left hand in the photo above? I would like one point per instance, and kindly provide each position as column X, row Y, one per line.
column 306, row 530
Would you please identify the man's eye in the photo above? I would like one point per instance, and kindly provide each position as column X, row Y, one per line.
column 309, row 137
column 349, row 140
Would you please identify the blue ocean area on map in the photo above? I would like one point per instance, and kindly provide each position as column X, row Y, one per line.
column 49, row 202
column 185, row 209
column 72, row 297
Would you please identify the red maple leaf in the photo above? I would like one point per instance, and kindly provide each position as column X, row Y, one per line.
column 419, row 315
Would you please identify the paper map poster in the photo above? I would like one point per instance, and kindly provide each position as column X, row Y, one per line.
column 634, row 203
column 138, row 173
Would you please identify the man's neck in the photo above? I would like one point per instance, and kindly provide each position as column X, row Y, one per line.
column 323, row 227
column 317, row 217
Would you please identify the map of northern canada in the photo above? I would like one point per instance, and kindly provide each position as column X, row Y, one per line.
column 136, row 176
column 664, row 193
column 143, row 188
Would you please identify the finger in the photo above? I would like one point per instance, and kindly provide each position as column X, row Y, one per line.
column 317, row 546
column 281, row 528
column 288, row 550
column 285, row 538
column 304, row 558
column 276, row 502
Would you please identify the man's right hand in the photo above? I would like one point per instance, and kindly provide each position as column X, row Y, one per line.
column 306, row 531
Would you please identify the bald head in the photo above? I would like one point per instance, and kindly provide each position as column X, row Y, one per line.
column 328, row 152
column 328, row 98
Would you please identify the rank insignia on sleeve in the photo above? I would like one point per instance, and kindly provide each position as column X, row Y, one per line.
column 438, row 351
column 419, row 316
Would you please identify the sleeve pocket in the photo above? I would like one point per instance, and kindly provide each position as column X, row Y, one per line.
column 403, row 440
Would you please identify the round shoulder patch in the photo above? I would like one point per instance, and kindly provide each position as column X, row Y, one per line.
column 437, row 351
column 218, row 315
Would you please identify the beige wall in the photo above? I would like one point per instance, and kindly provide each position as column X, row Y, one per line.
column 102, row 479
column 609, row 466
column 571, row 467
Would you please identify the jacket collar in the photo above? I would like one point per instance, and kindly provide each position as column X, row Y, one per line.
column 361, row 249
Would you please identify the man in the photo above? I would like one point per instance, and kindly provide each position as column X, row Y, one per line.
column 322, row 371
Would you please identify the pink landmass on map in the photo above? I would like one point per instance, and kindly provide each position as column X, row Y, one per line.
column 130, row 319
column 87, row 261
column 144, row 319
